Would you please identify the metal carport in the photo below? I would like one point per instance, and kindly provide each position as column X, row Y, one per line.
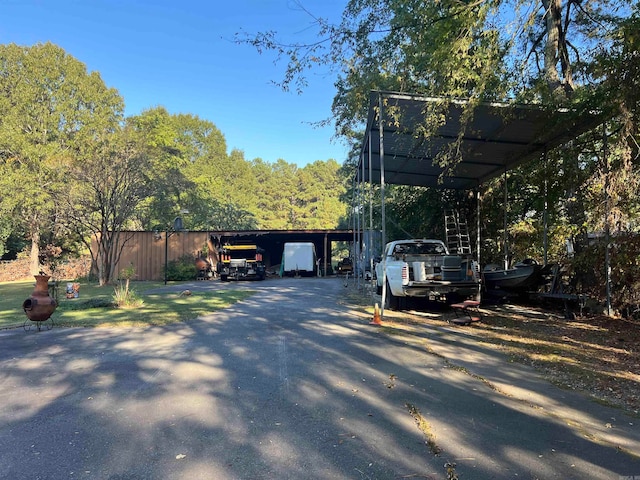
column 491, row 139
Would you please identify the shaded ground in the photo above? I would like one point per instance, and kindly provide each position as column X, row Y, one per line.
column 597, row 355
column 293, row 382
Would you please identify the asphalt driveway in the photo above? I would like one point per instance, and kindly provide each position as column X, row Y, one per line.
column 291, row 384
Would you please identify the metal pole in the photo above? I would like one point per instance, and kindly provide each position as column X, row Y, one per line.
column 326, row 252
column 504, row 234
column 365, row 240
column 358, row 262
column 478, row 240
column 384, row 222
column 353, row 225
column 546, row 209
column 166, row 253
column 607, row 228
column 478, row 224
column 370, row 211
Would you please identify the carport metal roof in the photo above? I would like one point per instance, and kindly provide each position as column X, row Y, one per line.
column 496, row 138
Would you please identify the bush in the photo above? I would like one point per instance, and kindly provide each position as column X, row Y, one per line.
column 88, row 304
column 182, row 269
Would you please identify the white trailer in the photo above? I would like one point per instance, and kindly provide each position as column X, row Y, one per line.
column 298, row 258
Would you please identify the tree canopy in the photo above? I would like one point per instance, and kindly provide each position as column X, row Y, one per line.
column 50, row 107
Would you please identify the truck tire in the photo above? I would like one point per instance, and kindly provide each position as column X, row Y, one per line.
column 224, row 278
column 391, row 301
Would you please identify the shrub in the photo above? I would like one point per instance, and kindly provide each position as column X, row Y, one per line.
column 88, row 304
column 184, row 268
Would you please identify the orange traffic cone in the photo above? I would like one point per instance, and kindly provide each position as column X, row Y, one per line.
column 376, row 316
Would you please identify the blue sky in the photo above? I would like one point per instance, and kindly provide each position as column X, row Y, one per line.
column 180, row 54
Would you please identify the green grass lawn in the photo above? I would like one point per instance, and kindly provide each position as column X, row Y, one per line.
column 94, row 306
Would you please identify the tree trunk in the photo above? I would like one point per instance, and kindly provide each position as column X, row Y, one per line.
column 555, row 51
column 552, row 26
column 34, row 265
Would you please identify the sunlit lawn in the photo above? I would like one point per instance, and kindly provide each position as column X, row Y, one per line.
column 94, row 307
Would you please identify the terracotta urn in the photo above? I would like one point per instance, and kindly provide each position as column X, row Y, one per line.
column 39, row 306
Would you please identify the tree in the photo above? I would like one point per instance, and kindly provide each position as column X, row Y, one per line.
column 49, row 108
column 108, row 180
column 190, row 170
column 290, row 197
column 170, row 150
column 487, row 49
column 228, row 187
column 319, row 190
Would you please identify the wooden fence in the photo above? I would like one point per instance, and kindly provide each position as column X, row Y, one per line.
column 149, row 251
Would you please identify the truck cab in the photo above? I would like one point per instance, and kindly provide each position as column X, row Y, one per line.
column 241, row 262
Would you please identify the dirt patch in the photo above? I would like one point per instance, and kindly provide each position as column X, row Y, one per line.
column 595, row 354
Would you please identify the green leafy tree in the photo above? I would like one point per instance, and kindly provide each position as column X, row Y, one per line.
column 170, row 151
column 290, row 197
column 210, row 214
column 108, row 180
column 320, row 189
column 229, row 187
column 50, row 107
column 481, row 50
column 190, row 170
column 277, row 189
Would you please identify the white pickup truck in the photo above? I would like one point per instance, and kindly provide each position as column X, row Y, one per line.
column 424, row 268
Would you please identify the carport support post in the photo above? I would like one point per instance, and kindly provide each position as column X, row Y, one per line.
column 545, row 240
column 370, row 244
column 384, row 220
column 505, row 246
column 354, row 202
column 478, row 226
column 365, row 239
column 326, row 252
column 607, row 228
column 358, row 262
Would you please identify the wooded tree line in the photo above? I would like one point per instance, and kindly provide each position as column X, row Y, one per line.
column 571, row 54
column 72, row 165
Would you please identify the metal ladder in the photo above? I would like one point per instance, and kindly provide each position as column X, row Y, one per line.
column 456, row 233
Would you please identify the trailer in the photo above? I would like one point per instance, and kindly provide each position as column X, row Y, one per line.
column 298, row 259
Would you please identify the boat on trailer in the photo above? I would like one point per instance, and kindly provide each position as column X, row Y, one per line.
column 524, row 276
